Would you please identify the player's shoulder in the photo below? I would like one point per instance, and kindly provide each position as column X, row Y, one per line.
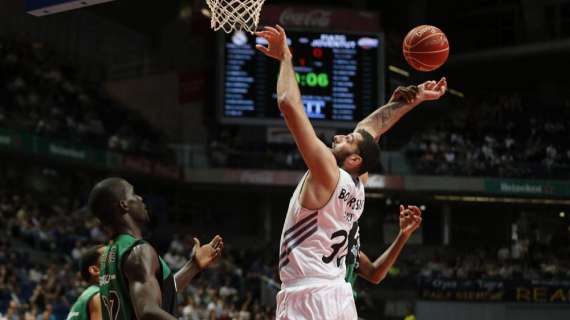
column 350, row 181
column 140, row 260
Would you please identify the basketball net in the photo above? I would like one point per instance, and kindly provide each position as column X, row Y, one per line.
column 230, row 15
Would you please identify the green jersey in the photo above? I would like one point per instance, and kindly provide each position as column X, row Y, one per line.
column 352, row 257
column 80, row 309
column 115, row 298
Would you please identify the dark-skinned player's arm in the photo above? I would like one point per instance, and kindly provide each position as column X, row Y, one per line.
column 95, row 307
column 375, row 271
column 317, row 156
column 202, row 258
column 140, row 267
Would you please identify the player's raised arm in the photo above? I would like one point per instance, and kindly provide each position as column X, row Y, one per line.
column 318, row 157
column 402, row 101
column 375, row 271
column 202, row 258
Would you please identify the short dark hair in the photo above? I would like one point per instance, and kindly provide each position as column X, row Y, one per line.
column 89, row 258
column 104, row 198
column 369, row 151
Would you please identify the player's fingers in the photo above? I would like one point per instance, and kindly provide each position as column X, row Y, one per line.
column 217, row 239
column 196, row 242
column 429, row 86
column 261, row 48
column 272, row 30
column 441, row 84
column 280, row 28
column 418, row 220
column 401, row 208
column 416, row 210
column 265, row 34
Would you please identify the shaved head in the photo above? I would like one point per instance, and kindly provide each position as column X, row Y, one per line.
column 105, row 197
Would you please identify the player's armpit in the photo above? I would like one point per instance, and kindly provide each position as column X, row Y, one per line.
column 140, row 267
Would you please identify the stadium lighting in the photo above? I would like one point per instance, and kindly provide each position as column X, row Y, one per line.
column 456, row 93
column 399, row 71
column 206, row 13
column 562, row 214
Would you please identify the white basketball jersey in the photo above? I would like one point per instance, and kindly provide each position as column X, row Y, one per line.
column 314, row 243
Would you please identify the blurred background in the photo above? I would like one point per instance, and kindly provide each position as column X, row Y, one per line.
column 145, row 90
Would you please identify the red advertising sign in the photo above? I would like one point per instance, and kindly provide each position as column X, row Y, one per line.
column 319, row 18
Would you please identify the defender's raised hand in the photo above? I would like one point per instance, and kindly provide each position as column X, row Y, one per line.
column 208, row 253
column 277, row 47
column 410, row 219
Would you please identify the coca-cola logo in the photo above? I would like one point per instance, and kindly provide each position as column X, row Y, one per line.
column 314, row 18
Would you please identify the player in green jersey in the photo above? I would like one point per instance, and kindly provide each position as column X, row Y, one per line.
column 359, row 264
column 88, row 305
column 135, row 282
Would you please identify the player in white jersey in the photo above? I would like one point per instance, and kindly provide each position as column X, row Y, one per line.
column 329, row 199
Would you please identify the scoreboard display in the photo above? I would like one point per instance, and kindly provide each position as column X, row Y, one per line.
column 341, row 77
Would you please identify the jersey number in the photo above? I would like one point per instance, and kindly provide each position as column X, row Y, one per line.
column 112, row 304
column 336, row 247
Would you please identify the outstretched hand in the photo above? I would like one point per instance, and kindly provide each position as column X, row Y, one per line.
column 427, row 91
column 410, row 219
column 277, row 47
column 208, row 253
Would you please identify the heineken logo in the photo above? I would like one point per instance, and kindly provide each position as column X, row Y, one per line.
column 521, row 187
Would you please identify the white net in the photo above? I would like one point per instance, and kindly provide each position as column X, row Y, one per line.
column 230, row 15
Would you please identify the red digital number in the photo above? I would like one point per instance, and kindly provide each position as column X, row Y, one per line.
column 317, row 53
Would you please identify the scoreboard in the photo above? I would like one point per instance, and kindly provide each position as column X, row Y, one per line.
column 341, row 77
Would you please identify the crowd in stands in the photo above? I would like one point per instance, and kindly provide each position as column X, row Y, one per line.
column 228, row 148
column 505, row 263
column 240, row 286
column 501, row 135
column 39, row 94
column 42, row 238
column 498, row 136
column 41, row 243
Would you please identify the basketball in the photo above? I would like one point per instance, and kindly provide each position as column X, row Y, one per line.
column 425, row 48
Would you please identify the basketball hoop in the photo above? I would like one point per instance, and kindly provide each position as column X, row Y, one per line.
column 231, row 15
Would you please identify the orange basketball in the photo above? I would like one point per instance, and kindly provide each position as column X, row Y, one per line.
column 425, row 48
